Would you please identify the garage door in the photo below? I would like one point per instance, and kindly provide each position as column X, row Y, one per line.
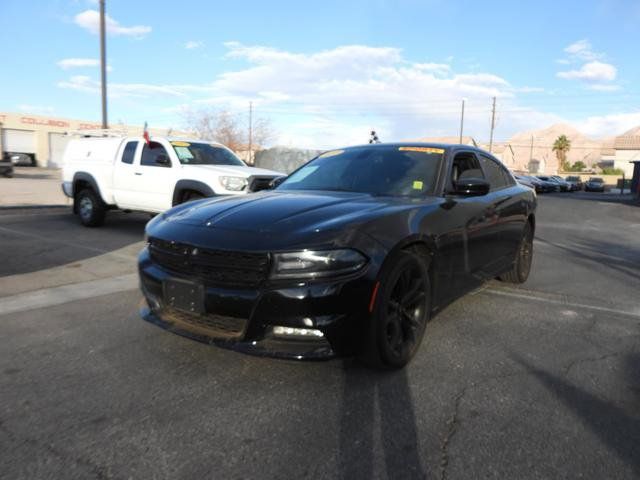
column 20, row 141
column 57, row 144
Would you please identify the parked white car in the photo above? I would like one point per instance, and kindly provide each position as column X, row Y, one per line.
column 103, row 173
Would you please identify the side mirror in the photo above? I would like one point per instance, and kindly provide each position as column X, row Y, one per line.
column 471, row 187
column 276, row 181
column 163, row 159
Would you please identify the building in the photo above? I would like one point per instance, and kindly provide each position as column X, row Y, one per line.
column 45, row 138
column 626, row 151
column 635, row 179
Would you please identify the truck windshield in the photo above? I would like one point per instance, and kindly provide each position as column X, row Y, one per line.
column 205, row 154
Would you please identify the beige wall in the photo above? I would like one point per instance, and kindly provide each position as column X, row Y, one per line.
column 43, row 125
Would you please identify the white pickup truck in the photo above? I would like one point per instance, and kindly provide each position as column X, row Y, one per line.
column 103, row 173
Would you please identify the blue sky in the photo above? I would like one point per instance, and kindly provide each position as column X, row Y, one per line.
column 324, row 73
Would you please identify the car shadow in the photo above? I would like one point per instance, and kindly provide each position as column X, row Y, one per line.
column 617, row 429
column 43, row 241
column 363, row 390
column 621, row 258
column 625, row 198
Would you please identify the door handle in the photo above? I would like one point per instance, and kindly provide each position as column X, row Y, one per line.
column 138, row 173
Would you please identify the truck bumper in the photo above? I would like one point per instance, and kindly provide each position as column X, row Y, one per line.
column 67, row 189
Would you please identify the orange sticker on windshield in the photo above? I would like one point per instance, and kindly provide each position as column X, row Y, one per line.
column 181, row 144
column 421, row 149
column 331, row 153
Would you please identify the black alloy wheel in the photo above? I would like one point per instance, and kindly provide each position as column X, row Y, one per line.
column 401, row 311
column 522, row 266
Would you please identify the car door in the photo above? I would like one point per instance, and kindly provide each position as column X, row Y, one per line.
column 505, row 219
column 464, row 221
column 124, row 175
column 155, row 177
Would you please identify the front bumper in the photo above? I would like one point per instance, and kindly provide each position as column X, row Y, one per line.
column 67, row 189
column 338, row 308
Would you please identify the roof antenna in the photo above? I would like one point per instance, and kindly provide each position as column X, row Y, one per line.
column 374, row 138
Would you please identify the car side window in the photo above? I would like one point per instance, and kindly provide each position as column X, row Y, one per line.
column 129, row 152
column 497, row 177
column 465, row 165
column 155, row 155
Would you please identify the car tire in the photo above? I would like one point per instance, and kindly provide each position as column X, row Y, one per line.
column 90, row 208
column 8, row 174
column 192, row 196
column 522, row 266
column 401, row 310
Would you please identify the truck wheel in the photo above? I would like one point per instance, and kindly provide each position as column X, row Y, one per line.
column 191, row 196
column 90, row 208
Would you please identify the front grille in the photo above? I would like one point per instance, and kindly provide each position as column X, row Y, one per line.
column 214, row 326
column 214, row 267
column 260, row 184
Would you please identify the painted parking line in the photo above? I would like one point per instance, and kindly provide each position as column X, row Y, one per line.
column 540, row 297
column 66, row 243
column 49, row 297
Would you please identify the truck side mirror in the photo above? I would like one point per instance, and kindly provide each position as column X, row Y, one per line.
column 276, row 181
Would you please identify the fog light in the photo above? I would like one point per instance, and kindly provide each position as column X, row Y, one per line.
column 296, row 332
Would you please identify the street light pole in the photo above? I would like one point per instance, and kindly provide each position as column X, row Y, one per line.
column 462, row 121
column 493, row 124
column 103, row 65
column 250, row 159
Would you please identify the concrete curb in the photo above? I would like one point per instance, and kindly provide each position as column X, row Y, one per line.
column 31, row 207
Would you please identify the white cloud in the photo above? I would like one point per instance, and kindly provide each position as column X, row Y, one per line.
column 607, row 125
column 85, row 83
column 68, row 63
column 582, row 50
column 90, row 20
column 36, row 109
column 604, row 87
column 436, row 68
column 335, row 97
column 191, row 44
column 592, row 72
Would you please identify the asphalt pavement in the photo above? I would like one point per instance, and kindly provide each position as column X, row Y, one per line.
column 538, row 381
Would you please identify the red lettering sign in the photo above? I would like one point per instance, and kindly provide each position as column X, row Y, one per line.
column 89, row 126
column 44, row 121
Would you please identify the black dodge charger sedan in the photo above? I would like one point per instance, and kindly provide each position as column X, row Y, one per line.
column 349, row 255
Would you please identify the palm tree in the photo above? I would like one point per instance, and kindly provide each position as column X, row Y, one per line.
column 561, row 146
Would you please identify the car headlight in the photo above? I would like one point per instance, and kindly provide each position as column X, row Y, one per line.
column 316, row 263
column 234, row 184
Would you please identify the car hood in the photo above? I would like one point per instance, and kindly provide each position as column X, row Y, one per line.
column 289, row 212
column 230, row 170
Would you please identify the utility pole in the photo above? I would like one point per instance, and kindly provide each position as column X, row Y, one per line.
column 462, row 120
column 493, row 124
column 103, row 66
column 250, row 132
column 531, row 150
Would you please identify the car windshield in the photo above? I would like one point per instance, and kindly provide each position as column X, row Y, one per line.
column 379, row 170
column 573, row 179
column 596, row 180
column 205, row 154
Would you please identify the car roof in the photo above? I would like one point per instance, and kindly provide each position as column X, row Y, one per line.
column 444, row 146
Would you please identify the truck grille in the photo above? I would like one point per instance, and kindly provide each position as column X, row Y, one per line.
column 214, row 267
column 212, row 325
